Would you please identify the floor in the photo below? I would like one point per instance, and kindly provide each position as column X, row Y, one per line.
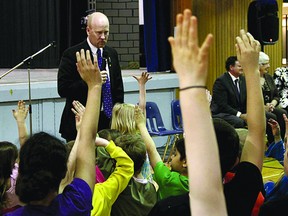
column 272, row 170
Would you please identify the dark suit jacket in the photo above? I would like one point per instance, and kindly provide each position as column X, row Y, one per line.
column 72, row 87
column 274, row 94
column 224, row 97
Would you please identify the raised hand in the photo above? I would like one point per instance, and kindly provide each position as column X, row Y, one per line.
column 79, row 111
column 145, row 77
column 185, row 49
column 88, row 71
column 275, row 127
column 21, row 112
column 247, row 49
column 20, row 115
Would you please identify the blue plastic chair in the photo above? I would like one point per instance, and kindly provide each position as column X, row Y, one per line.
column 156, row 127
column 176, row 115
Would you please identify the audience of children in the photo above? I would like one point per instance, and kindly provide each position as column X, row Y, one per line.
column 107, row 190
column 123, row 117
column 43, row 160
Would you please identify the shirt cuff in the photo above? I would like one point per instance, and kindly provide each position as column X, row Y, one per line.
column 238, row 114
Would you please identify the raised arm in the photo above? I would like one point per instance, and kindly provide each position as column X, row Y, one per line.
column 140, row 120
column 106, row 193
column 191, row 64
column 248, row 55
column 85, row 158
column 145, row 77
column 20, row 115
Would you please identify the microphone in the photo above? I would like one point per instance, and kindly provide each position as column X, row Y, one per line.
column 104, row 60
column 53, row 43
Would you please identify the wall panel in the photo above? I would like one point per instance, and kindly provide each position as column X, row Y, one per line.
column 224, row 19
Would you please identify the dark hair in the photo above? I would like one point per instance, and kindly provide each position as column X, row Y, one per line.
column 180, row 146
column 8, row 156
column 43, row 164
column 109, row 134
column 230, row 61
column 135, row 148
column 228, row 144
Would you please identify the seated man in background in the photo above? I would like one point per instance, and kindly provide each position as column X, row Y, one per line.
column 229, row 95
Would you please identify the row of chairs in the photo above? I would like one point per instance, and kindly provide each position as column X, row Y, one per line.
column 156, row 126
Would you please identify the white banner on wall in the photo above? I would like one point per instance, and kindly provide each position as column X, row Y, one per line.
column 141, row 13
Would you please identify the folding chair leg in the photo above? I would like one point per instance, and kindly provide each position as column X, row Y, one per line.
column 176, row 137
column 166, row 147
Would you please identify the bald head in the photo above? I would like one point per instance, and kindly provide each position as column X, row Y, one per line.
column 97, row 18
column 98, row 29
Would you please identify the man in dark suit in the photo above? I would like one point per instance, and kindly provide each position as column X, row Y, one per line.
column 72, row 87
column 229, row 96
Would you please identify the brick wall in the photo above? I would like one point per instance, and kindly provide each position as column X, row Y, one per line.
column 124, row 29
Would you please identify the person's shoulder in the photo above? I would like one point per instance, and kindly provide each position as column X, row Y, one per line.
column 222, row 80
column 77, row 47
column 268, row 76
column 223, row 77
column 248, row 172
column 110, row 50
column 274, row 207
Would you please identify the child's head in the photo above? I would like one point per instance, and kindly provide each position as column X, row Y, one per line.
column 135, row 148
column 109, row 134
column 228, row 144
column 8, row 156
column 123, row 118
column 178, row 159
column 42, row 166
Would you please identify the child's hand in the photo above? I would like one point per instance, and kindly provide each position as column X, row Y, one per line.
column 88, row 71
column 21, row 113
column 275, row 127
column 190, row 61
column 248, row 49
column 101, row 142
column 145, row 76
column 79, row 111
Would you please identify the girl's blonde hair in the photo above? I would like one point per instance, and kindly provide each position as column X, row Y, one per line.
column 123, row 118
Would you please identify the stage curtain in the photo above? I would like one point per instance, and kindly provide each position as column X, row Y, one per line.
column 156, row 32
column 30, row 25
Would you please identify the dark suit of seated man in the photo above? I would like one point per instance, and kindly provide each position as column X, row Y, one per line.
column 228, row 100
